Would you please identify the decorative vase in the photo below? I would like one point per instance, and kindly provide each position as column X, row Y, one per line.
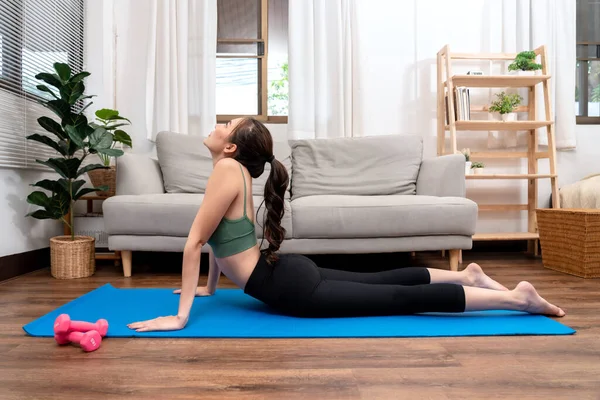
column 509, row 117
column 468, row 167
column 70, row 259
column 477, row 171
column 101, row 177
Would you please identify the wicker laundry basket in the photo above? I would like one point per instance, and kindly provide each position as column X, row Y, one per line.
column 108, row 177
column 570, row 240
column 70, row 259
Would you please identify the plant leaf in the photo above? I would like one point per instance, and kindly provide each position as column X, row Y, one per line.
column 72, row 165
column 56, row 164
column 117, row 118
column 51, row 79
column 66, row 168
column 75, row 136
column 77, row 120
column 63, row 70
column 52, row 126
column 53, row 186
column 44, row 88
column 48, row 142
column 71, row 92
column 59, row 107
column 111, row 127
column 62, row 205
column 123, row 137
column 106, row 113
column 40, row 214
column 38, row 198
column 101, row 139
column 76, row 185
column 79, row 77
column 111, row 152
column 85, row 191
column 90, row 167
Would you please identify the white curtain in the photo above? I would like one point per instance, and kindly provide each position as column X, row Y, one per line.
column 181, row 72
column 361, row 67
column 322, row 73
column 526, row 25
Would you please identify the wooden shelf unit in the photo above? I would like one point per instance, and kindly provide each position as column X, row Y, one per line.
column 447, row 82
column 498, row 125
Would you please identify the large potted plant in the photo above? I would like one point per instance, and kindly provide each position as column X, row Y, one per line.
column 73, row 139
column 111, row 121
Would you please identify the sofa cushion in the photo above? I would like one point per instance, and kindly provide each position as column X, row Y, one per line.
column 166, row 214
column 333, row 216
column 375, row 165
column 186, row 163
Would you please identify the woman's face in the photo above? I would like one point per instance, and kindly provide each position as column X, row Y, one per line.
column 218, row 140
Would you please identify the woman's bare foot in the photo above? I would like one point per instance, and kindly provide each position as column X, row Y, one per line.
column 533, row 303
column 477, row 278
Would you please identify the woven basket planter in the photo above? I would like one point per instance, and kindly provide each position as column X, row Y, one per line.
column 570, row 240
column 106, row 177
column 72, row 259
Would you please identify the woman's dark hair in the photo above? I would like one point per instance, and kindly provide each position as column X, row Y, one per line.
column 254, row 149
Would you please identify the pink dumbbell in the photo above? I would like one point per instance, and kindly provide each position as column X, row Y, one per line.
column 64, row 325
column 89, row 341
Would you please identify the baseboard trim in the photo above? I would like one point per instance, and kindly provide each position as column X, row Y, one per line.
column 23, row 263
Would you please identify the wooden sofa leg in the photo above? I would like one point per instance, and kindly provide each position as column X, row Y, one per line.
column 126, row 257
column 454, row 256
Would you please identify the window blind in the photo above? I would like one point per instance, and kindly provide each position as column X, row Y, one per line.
column 34, row 34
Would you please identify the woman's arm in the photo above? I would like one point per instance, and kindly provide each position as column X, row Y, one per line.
column 221, row 190
column 214, row 273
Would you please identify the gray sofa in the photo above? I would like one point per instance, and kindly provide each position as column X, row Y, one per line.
column 352, row 195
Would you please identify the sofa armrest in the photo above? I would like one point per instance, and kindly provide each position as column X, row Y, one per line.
column 442, row 176
column 138, row 174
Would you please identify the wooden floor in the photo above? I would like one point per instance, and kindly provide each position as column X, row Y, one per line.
column 546, row 367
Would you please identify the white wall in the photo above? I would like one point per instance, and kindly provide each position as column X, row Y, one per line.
column 20, row 233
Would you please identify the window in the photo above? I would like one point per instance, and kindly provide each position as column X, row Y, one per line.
column 587, row 89
column 34, row 34
column 252, row 59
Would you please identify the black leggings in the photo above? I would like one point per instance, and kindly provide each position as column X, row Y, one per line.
column 295, row 285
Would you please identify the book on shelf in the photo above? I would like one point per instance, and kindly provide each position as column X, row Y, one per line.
column 462, row 105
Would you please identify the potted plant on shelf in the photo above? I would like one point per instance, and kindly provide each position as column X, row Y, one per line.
column 74, row 139
column 505, row 105
column 524, row 64
column 477, row 167
column 467, row 154
column 110, row 121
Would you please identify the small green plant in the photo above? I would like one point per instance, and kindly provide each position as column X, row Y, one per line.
column 108, row 119
column 467, row 154
column 505, row 103
column 279, row 93
column 477, row 164
column 525, row 61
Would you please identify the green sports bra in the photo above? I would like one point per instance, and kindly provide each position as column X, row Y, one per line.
column 233, row 236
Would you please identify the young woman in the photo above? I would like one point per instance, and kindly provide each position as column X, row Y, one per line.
column 293, row 284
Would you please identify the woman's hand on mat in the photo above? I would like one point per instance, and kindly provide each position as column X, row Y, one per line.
column 170, row 323
column 200, row 291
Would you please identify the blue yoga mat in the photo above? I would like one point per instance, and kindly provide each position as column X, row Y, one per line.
column 230, row 313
